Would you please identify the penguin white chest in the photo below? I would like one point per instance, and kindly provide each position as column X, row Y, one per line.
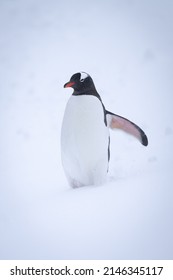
column 84, row 141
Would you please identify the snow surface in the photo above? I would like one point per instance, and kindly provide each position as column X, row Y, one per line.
column 127, row 48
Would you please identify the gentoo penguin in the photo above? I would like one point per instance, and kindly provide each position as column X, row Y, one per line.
column 85, row 136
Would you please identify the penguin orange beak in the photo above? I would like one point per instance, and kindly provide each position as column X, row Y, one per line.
column 69, row 84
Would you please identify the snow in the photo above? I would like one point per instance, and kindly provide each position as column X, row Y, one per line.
column 127, row 48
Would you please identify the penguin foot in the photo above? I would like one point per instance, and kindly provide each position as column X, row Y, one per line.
column 74, row 183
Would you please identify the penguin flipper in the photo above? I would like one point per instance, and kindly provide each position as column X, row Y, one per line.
column 117, row 122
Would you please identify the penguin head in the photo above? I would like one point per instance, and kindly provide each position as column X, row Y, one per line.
column 81, row 82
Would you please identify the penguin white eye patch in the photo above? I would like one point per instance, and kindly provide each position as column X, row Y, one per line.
column 83, row 76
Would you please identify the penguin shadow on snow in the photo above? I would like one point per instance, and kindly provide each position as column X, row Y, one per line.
column 85, row 137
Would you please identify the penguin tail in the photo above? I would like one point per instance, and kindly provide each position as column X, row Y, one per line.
column 118, row 122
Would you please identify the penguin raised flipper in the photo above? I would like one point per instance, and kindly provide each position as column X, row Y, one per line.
column 85, row 138
column 117, row 122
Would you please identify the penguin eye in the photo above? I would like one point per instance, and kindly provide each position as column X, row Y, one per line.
column 83, row 76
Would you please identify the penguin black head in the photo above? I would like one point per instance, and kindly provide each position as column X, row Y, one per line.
column 82, row 83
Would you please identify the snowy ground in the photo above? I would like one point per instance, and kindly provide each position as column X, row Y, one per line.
column 127, row 47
